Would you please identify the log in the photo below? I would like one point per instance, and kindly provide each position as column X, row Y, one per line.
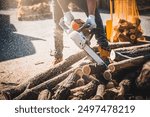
column 99, row 93
column 134, row 51
column 52, row 72
column 108, row 74
column 110, row 94
column 86, row 91
column 117, row 56
column 133, row 62
column 63, row 92
column 110, row 85
column 125, row 86
column 93, row 69
column 47, row 84
column 115, row 45
column 44, row 95
column 143, row 80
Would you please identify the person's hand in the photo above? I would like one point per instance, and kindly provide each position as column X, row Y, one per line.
column 91, row 21
column 68, row 18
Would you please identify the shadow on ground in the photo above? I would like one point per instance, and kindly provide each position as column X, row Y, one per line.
column 13, row 45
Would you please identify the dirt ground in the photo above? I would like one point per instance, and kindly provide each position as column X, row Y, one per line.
column 25, row 51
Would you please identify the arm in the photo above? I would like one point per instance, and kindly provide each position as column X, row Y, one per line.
column 91, row 4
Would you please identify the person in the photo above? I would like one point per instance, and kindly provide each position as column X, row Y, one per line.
column 60, row 9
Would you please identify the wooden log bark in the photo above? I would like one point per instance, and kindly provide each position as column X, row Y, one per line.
column 63, row 91
column 125, row 87
column 143, row 80
column 110, row 94
column 85, row 91
column 47, row 84
column 93, row 69
column 52, row 72
column 117, row 56
column 137, row 61
column 99, row 93
column 134, row 51
column 45, row 95
column 115, row 67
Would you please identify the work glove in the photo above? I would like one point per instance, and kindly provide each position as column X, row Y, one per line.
column 91, row 22
column 68, row 18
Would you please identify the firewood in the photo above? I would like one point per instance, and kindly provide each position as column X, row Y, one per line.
column 52, row 72
column 125, row 86
column 99, row 93
column 44, row 95
column 77, row 96
column 124, row 38
column 87, row 90
column 110, row 85
column 81, row 63
column 80, row 82
column 64, row 91
column 143, row 80
column 127, row 52
column 119, row 45
column 117, row 56
column 93, row 69
column 47, row 84
column 110, row 94
column 108, row 74
column 137, row 61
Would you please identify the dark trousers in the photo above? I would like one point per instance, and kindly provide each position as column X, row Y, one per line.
column 58, row 32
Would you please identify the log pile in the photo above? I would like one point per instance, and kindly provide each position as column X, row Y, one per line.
column 77, row 78
column 33, row 10
column 126, row 31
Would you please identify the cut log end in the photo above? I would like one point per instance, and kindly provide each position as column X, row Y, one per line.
column 79, row 72
column 111, row 68
column 86, row 70
column 107, row 75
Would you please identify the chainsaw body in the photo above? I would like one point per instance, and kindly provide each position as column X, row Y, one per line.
column 82, row 40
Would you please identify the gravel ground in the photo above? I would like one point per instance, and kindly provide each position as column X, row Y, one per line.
column 24, row 50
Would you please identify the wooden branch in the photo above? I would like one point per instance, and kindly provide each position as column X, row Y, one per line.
column 134, row 51
column 52, row 72
column 99, row 93
column 137, row 61
column 47, row 84
column 44, row 95
column 116, row 45
column 116, row 56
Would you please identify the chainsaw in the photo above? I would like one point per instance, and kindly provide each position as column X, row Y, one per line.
column 81, row 35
